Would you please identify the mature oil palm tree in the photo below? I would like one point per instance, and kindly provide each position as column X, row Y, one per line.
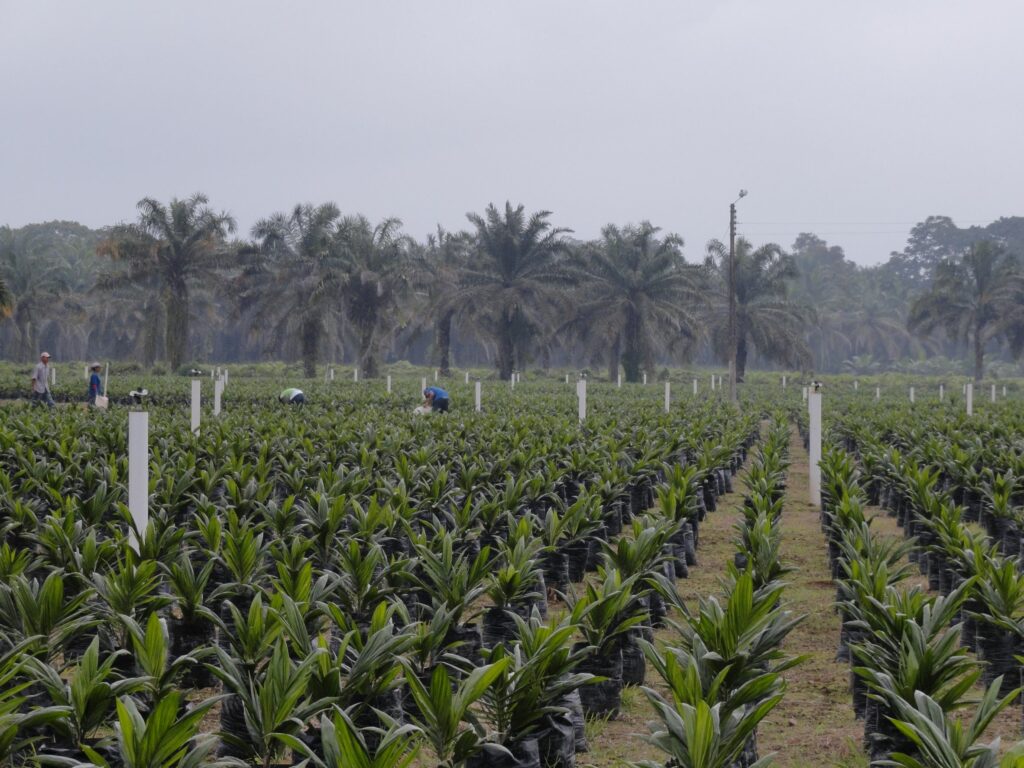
column 438, row 273
column 765, row 317
column 515, row 278
column 375, row 277
column 637, row 296
column 37, row 278
column 291, row 281
column 180, row 244
column 975, row 299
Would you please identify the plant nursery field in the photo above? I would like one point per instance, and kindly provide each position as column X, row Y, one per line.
column 344, row 583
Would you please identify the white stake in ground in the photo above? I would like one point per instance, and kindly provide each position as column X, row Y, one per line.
column 856, row 385
column 226, row 376
column 668, row 396
column 106, row 381
column 942, row 392
column 619, row 380
column 911, row 394
column 969, row 390
column 814, row 446
column 567, row 378
column 87, row 373
column 53, row 377
column 478, row 398
column 197, row 386
column 389, row 383
column 332, row 373
column 1004, row 390
column 218, row 387
column 878, row 393
column 423, row 384
column 993, row 393
column 512, row 380
column 467, row 377
column 805, row 394
column 138, row 474
column 581, row 395
column 694, row 387
column 355, row 374
column 645, row 379
column 712, row 382
column 783, row 381
column 435, row 374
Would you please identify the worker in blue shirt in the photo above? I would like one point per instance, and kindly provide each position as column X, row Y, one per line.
column 436, row 399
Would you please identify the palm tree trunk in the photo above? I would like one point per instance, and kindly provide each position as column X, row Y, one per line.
column 631, row 348
column 506, row 351
column 310, row 347
column 979, row 353
column 444, row 341
column 741, row 357
column 176, row 303
column 613, row 360
column 367, row 352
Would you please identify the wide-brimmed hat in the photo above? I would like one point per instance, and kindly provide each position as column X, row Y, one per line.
column 95, row 365
column 44, row 354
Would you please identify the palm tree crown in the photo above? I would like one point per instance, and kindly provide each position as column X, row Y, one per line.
column 765, row 317
column 515, row 280
column 178, row 244
column 976, row 299
column 638, row 296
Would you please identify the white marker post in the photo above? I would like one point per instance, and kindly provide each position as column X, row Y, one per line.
column 694, row 387
column 332, row 373
column 389, row 383
column 226, row 376
column 567, row 378
column 645, row 379
column 87, row 373
column 106, row 381
column 218, row 387
column 1004, row 390
column 467, row 377
column 814, row 447
column 942, row 392
column 423, row 384
column 619, row 380
column 878, row 393
column 196, row 396
column 138, row 474
column 512, row 380
column 355, row 374
column 783, row 381
column 911, row 394
column 581, row 394
column 993, row 393
column 969, row 389
column 435, row 374
column 712, row 382
column 668, row 396
column 53, row 376
column 856, row 384
column 478, row 398
column 805, row 394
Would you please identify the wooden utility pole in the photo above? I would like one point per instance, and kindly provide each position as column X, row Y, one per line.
column 732, row 296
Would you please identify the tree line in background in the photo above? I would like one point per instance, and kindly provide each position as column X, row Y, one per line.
column 511, row 290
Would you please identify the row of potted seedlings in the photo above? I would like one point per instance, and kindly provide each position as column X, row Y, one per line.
column 911, row 675
column 268, row 617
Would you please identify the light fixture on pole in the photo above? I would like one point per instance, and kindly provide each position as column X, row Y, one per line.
column 732, row 296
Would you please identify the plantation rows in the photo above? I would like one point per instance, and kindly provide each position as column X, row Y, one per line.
column 939, row 473
column 350, row 586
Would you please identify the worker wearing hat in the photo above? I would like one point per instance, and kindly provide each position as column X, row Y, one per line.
column 95, row 385
column 41, row 381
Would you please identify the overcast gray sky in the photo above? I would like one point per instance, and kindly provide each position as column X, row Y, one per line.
column 850, row 119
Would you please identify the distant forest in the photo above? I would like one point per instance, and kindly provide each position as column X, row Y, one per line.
column 513, row 290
